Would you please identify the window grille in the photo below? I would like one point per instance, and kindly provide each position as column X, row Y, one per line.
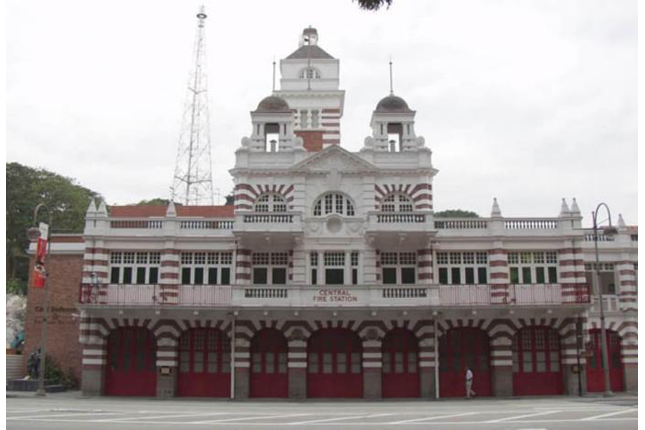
column 333, row 203
column 313, row 256
column 397, row 202
column 128, row 257
column 354, row 258
column 116, row 257
column 334, row 259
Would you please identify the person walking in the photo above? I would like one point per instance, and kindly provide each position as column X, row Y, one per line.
column 469, row 383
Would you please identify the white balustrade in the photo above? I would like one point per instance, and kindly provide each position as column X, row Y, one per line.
column 204, row 295
column 460, row 224
column 530, row 224
column 205, row 225
column 400, row 218
column 464, row 295
column 534, row 294
column 136, row 223
column 268, row 218
column 610, row 303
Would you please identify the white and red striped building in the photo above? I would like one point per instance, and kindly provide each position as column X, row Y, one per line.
column 330, row 276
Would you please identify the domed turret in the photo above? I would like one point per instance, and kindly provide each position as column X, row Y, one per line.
column 273, row 104
column 392, row 103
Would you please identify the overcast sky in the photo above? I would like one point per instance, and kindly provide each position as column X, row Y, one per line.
column 526, row 101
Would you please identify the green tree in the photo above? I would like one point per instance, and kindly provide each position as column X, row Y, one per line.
column 455, row 213
column 373, row 4
column 156, row 202
column 26, row 188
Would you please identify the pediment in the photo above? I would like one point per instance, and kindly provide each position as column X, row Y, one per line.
column 334, row 158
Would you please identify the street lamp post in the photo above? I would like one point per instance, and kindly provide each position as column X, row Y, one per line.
column 34, row 233
column 608, row 231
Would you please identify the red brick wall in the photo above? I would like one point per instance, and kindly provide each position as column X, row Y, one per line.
column 313, row 140
column 63, row 327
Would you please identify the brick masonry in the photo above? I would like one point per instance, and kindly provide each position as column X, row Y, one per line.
column 63, row 326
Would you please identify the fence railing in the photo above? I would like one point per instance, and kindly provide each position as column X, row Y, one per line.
column 400, row 218
column 534, row 294
column 460, row 224
column 530, row 224
column 464, row 295
column 268, row 218
column 137, row 223
column 610, row 303
column 205, row 225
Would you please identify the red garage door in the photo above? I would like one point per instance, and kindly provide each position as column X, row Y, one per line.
column 131, row 369
column 460, row 348
column 334, row 367
column 595, row 375
column 269, row 376
column 204, row 363
column 537, row 368
column 400, row 364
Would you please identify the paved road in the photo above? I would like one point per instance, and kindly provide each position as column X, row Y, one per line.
column 77, row 413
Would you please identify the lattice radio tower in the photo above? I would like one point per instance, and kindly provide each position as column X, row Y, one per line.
column 193, row 181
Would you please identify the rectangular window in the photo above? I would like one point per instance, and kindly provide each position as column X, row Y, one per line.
column 443, row 276
column 314, row 119
column 114, row 275
column 226, row 276
column 470, row 275
column 482, row 275
column 526, row 275
column 199, row 276
column 260, row 275
column 456, row 276
column 354, row 276
column 553, row 275
column 185, row 275
column 153, row 275
column 408, row 275
column 334, row 276
column 127, row 275
column 279, row 275
column 212, row 276
column 539, row 275
column 515, row 275
column 314, row 276
column 141, row 275
column 389, row 275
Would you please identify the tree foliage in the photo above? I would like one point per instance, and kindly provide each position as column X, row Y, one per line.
column 26, row 188
column 455, row 213
column 373, row 4
column 156, row 202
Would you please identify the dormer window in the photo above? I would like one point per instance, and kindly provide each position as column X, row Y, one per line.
column 397, row 202
column 334, row 203
column 270, row 202
column 309, row 73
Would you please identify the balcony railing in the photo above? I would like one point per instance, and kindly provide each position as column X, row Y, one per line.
column 610, row 303
column 267, row 218
column 205, row 225
column 400, row 218
column 137, row 224
column 461, row 224
column 312, row 296
column 530, row 224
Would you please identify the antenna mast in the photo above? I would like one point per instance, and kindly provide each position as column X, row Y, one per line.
column 193, row 182
column 391, row 86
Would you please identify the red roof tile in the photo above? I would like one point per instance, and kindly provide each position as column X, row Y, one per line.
column 182, row 211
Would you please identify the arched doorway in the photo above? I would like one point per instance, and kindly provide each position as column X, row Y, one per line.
column 131, row 363
column 537, row 364
column 334, row 364
column 400, row 369
column 204, row 363
column 269, row 377
column 460, row 348
column 595, row 374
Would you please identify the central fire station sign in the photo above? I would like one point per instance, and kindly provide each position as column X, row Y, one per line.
column 334, row 295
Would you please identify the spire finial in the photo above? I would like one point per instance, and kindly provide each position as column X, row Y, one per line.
column 391, row 85
column 273, row 90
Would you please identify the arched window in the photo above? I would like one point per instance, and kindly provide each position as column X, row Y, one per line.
column 309, row 73
column 334, row 203
column 397, row 202
column 270, row 202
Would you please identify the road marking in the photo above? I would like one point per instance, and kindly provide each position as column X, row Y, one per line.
column 608, row 415
column 521, row 416
column 433, row 418
column 351, row 417
column 248, row 418
column 60, row 415
column 158, row 416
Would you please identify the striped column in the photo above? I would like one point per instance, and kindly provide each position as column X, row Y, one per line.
column 95, row 260
column 244, row 197
column 242, row 361
column 627, row 285
column 167, row 333
column 372, row 364
column 422, row 196
column 424, row 263
column 498, row 262
column 297, row 368
column 330, row 122
column 572, row 274
column 94, row 354
column 568, row 342
column 369, row 266
column 501, row 356
column 629, row 351
column 169, row 277
column 243, row 266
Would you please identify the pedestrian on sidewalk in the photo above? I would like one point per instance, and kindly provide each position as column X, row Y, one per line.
column 469, row 383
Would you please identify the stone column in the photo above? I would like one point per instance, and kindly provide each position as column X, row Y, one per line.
column 424, row 264
column 372, row 367
column 427, row 363
column 169, row 276
column 297, row 368
column 167, row 366
column 94, row 358
column 243, row 266
column 242, row 366
column 627, row 285
column 499, row 279
column 569, row 362
column 501, row 361
column 629, row 352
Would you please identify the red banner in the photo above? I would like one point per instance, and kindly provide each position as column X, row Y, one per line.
column 41, row 253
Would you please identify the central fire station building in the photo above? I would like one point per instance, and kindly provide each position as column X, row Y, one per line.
column 330, row 276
